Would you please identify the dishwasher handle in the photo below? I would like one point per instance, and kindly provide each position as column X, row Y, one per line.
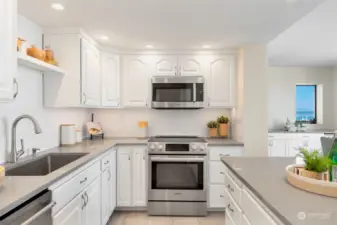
column 39, row 213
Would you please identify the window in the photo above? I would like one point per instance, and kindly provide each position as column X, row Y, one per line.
column 306, row 103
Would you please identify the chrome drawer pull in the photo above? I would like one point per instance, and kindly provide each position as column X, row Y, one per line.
column 221, row 196
column 106, row 162
column 229, row 208
column 230, row 188
column 82, row 181
column 222, row 173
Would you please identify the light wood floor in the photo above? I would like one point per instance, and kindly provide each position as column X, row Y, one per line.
column 141, row 218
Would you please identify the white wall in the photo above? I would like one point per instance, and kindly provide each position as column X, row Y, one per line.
column 29, row 101
column 282, row 93
column 252, row 113
column 124, row 123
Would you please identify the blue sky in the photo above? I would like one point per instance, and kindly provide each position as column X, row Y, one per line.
column 305, row 98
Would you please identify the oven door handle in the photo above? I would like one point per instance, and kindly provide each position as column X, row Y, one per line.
column 171, row 159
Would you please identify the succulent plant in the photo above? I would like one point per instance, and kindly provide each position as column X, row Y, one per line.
column 212, row 124
column 223, row 120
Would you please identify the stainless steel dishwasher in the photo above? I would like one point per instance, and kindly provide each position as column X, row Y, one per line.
column 35, row 211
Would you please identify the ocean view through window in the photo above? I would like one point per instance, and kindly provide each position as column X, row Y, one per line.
column 306, row 103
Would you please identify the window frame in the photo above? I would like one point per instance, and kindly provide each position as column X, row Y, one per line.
column 314, row 121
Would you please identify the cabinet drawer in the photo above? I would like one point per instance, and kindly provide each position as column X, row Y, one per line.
column 254, row 211
column 106, row 161
column 234, row 210
column 65, row 193
column 233, row 189
column 215, row 153
column 228, row 219
column 217, row 197
column 217, row 172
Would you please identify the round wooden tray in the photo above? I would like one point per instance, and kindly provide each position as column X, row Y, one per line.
column 311, row 185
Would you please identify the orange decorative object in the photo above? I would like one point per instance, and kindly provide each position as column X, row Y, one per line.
column 142, row 124
column 36, row 53
column 19, row 43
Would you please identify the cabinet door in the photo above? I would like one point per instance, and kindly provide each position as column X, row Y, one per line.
column 222, row 82
column 8, row 57
column 139, row 178
column 166, row 65
column 90, row 74
column 107, row 190
column 136, row 83
column 217, row 196
column 110, row 80
column 113, row 180
column 71, row 214
column 124, row 178
column 216, row 172
column 277, row 147
column 92, row 211
column 294, row 144
column 190, row 66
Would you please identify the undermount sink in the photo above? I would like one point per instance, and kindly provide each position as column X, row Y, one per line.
column 41, row 166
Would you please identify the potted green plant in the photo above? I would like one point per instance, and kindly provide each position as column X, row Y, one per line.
column 223, row 126
column 212, row 125
column 316, row 165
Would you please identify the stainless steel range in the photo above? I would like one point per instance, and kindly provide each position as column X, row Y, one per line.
column 177, row 176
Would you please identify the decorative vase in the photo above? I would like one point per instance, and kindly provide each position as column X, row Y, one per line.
column 223, row 129
column 314, row 175
column 213, row 132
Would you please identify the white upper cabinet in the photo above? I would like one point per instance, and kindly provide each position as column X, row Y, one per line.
column 90, row 74
column 136, row 80
column 190, row 66
column 110, row 72
column 8, row 56
column 221, row 82
column 166, row 65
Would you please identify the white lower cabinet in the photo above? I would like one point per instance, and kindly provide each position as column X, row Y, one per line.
column 71, row 214
column 217, row 197
column 131, row 178
column 287, row 145
column 106, row 202
column 216, row 174
column 92, row 208
column 84, row 209
column 243, row 208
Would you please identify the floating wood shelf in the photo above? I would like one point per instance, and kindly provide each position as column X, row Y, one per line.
column 38, row 65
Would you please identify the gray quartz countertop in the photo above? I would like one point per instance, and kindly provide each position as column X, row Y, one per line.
column 318, row 131
column 266, row 178
column 220, row 141
column 17, row 189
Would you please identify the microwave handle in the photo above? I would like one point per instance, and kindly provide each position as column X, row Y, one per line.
column 176, row 159
column 194, row 92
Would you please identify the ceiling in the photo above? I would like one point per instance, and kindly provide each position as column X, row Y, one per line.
column 172, row 24
column 312, row 41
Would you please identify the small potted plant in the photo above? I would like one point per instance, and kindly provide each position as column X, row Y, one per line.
column 316, row 165
column 223, row 126
column 212, row 125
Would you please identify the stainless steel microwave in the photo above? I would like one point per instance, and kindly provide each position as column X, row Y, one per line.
column 178, row 92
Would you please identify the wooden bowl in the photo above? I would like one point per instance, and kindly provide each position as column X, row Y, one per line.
column 321, row 187
column 36, row 53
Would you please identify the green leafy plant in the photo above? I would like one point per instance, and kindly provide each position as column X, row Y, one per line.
column 315, row 161
column 212, row 124
column 223, row 120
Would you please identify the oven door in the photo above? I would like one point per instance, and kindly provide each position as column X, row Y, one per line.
column 177, row 178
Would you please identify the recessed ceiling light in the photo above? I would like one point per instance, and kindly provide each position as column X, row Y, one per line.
column 104, row 38
column 206, row 46
column 57, row 6
column 149, row 46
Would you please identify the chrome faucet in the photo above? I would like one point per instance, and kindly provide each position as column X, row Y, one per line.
column 15, row 154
